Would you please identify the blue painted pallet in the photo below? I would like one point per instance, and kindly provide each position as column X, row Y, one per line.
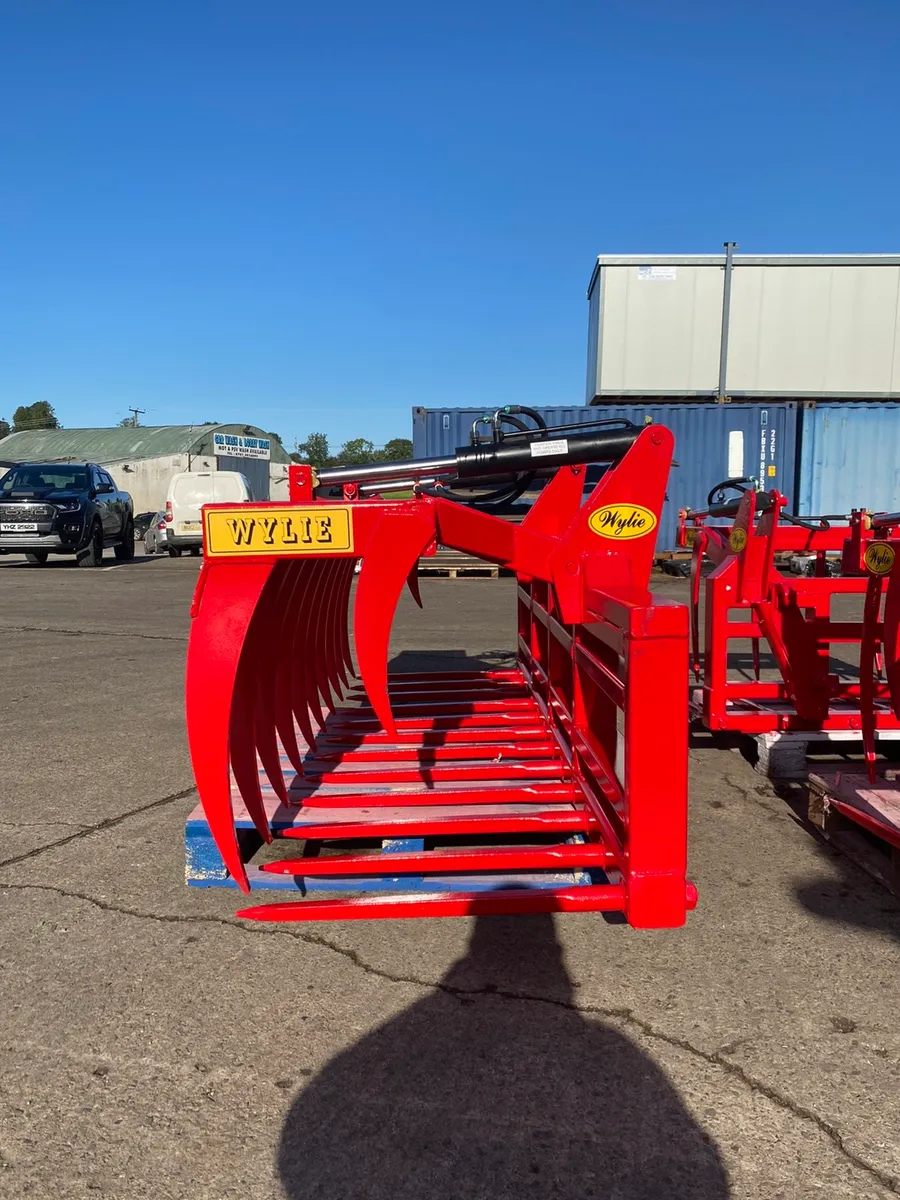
column 204, row 867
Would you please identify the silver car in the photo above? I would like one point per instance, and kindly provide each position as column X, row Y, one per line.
column 155, row 537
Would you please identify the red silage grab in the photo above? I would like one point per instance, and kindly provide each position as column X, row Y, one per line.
column 569, row 765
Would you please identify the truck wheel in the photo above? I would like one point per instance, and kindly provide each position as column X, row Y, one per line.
column 38, row 557
column 92, row 556
column 125, row 548
column 195, row 551
column 174, row 552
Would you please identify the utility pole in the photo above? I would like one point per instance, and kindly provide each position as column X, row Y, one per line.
column 134, row 419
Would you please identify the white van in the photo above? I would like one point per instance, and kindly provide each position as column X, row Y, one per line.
column 188, row 492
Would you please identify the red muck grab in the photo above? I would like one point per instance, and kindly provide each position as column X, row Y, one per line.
column 559, row 784
column 748, row 597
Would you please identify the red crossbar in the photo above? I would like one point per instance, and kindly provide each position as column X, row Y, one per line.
column 443, row 826
column 536, row 793
column 449, row 774
column 432, row 862
column 426, row 754
column 590, row 898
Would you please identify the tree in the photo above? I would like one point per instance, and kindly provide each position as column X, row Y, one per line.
column 275, row 437
column 4, row 427
column 39, row 415
column 395, row 449
column 356, row 452
column 126, row 423
column 314, row 451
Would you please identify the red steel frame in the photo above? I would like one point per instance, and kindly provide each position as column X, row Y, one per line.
column 534, row 750
column 793, row 615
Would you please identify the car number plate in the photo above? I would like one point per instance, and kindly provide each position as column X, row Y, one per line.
column 19, row 527
column 190, row 526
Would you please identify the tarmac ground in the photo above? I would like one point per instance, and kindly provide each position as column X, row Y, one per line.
column 154, row 1045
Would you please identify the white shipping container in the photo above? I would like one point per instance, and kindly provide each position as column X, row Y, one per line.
column 800, row 327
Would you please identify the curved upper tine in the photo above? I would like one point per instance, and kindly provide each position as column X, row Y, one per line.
column 270, row 619
column 326, row 648
column 339, row 632
column 247, row 724
column 891, row 641
column 412, row 582
column 284, row 708
column 391, row 553
column 308, row 626
column 222, row 615
column 298, row 651
column 319, row 628
column 344, row 618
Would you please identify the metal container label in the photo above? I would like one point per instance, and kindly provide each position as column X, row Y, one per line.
column 622, row 521
column 324, row 529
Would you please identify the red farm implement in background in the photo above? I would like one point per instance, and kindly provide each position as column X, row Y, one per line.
column 549, row 786
column 749, row 597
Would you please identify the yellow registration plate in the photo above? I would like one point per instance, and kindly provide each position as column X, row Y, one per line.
column 322, row 529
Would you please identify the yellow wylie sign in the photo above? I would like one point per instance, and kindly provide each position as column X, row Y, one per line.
column 737, row 540
column 254, row 530
column 879, row 558
column 620, row 522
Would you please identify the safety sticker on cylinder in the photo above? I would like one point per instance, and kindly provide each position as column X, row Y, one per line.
column 323, row 529
column 622, row 521
column 550, row 448
column 879, row 558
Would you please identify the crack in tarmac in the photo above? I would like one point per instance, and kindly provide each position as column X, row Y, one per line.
column 121, row 633
column 84, row 831
column 40, row 824
column 627, row 1016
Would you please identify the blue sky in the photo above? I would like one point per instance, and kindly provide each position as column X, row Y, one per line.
column 316, row 216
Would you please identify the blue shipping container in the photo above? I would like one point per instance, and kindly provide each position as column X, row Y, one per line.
column 849, row 457
column 712, row 442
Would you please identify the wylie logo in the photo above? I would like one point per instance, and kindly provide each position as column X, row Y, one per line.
column 270, row 529
column 879, row 558
column 280, row 531
column 622, row 521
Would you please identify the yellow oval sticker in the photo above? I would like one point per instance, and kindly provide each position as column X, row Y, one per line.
column 622, row 521
column 879, row 558
column 737, row 540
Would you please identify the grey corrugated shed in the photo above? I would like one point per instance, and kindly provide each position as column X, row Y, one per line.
column 124, row 442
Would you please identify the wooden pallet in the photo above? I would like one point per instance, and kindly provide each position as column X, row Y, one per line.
column 453, row 564
column 861, row 819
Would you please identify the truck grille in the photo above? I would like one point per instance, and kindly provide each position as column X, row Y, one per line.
column 27, row 512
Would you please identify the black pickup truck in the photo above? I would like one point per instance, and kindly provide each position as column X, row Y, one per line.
column 64, row 508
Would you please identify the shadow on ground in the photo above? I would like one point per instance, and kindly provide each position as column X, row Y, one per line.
column 851, row 898
column 495, row 1086
column 452, row 660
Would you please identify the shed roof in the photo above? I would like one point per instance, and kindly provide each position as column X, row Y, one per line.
column 124, row 442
